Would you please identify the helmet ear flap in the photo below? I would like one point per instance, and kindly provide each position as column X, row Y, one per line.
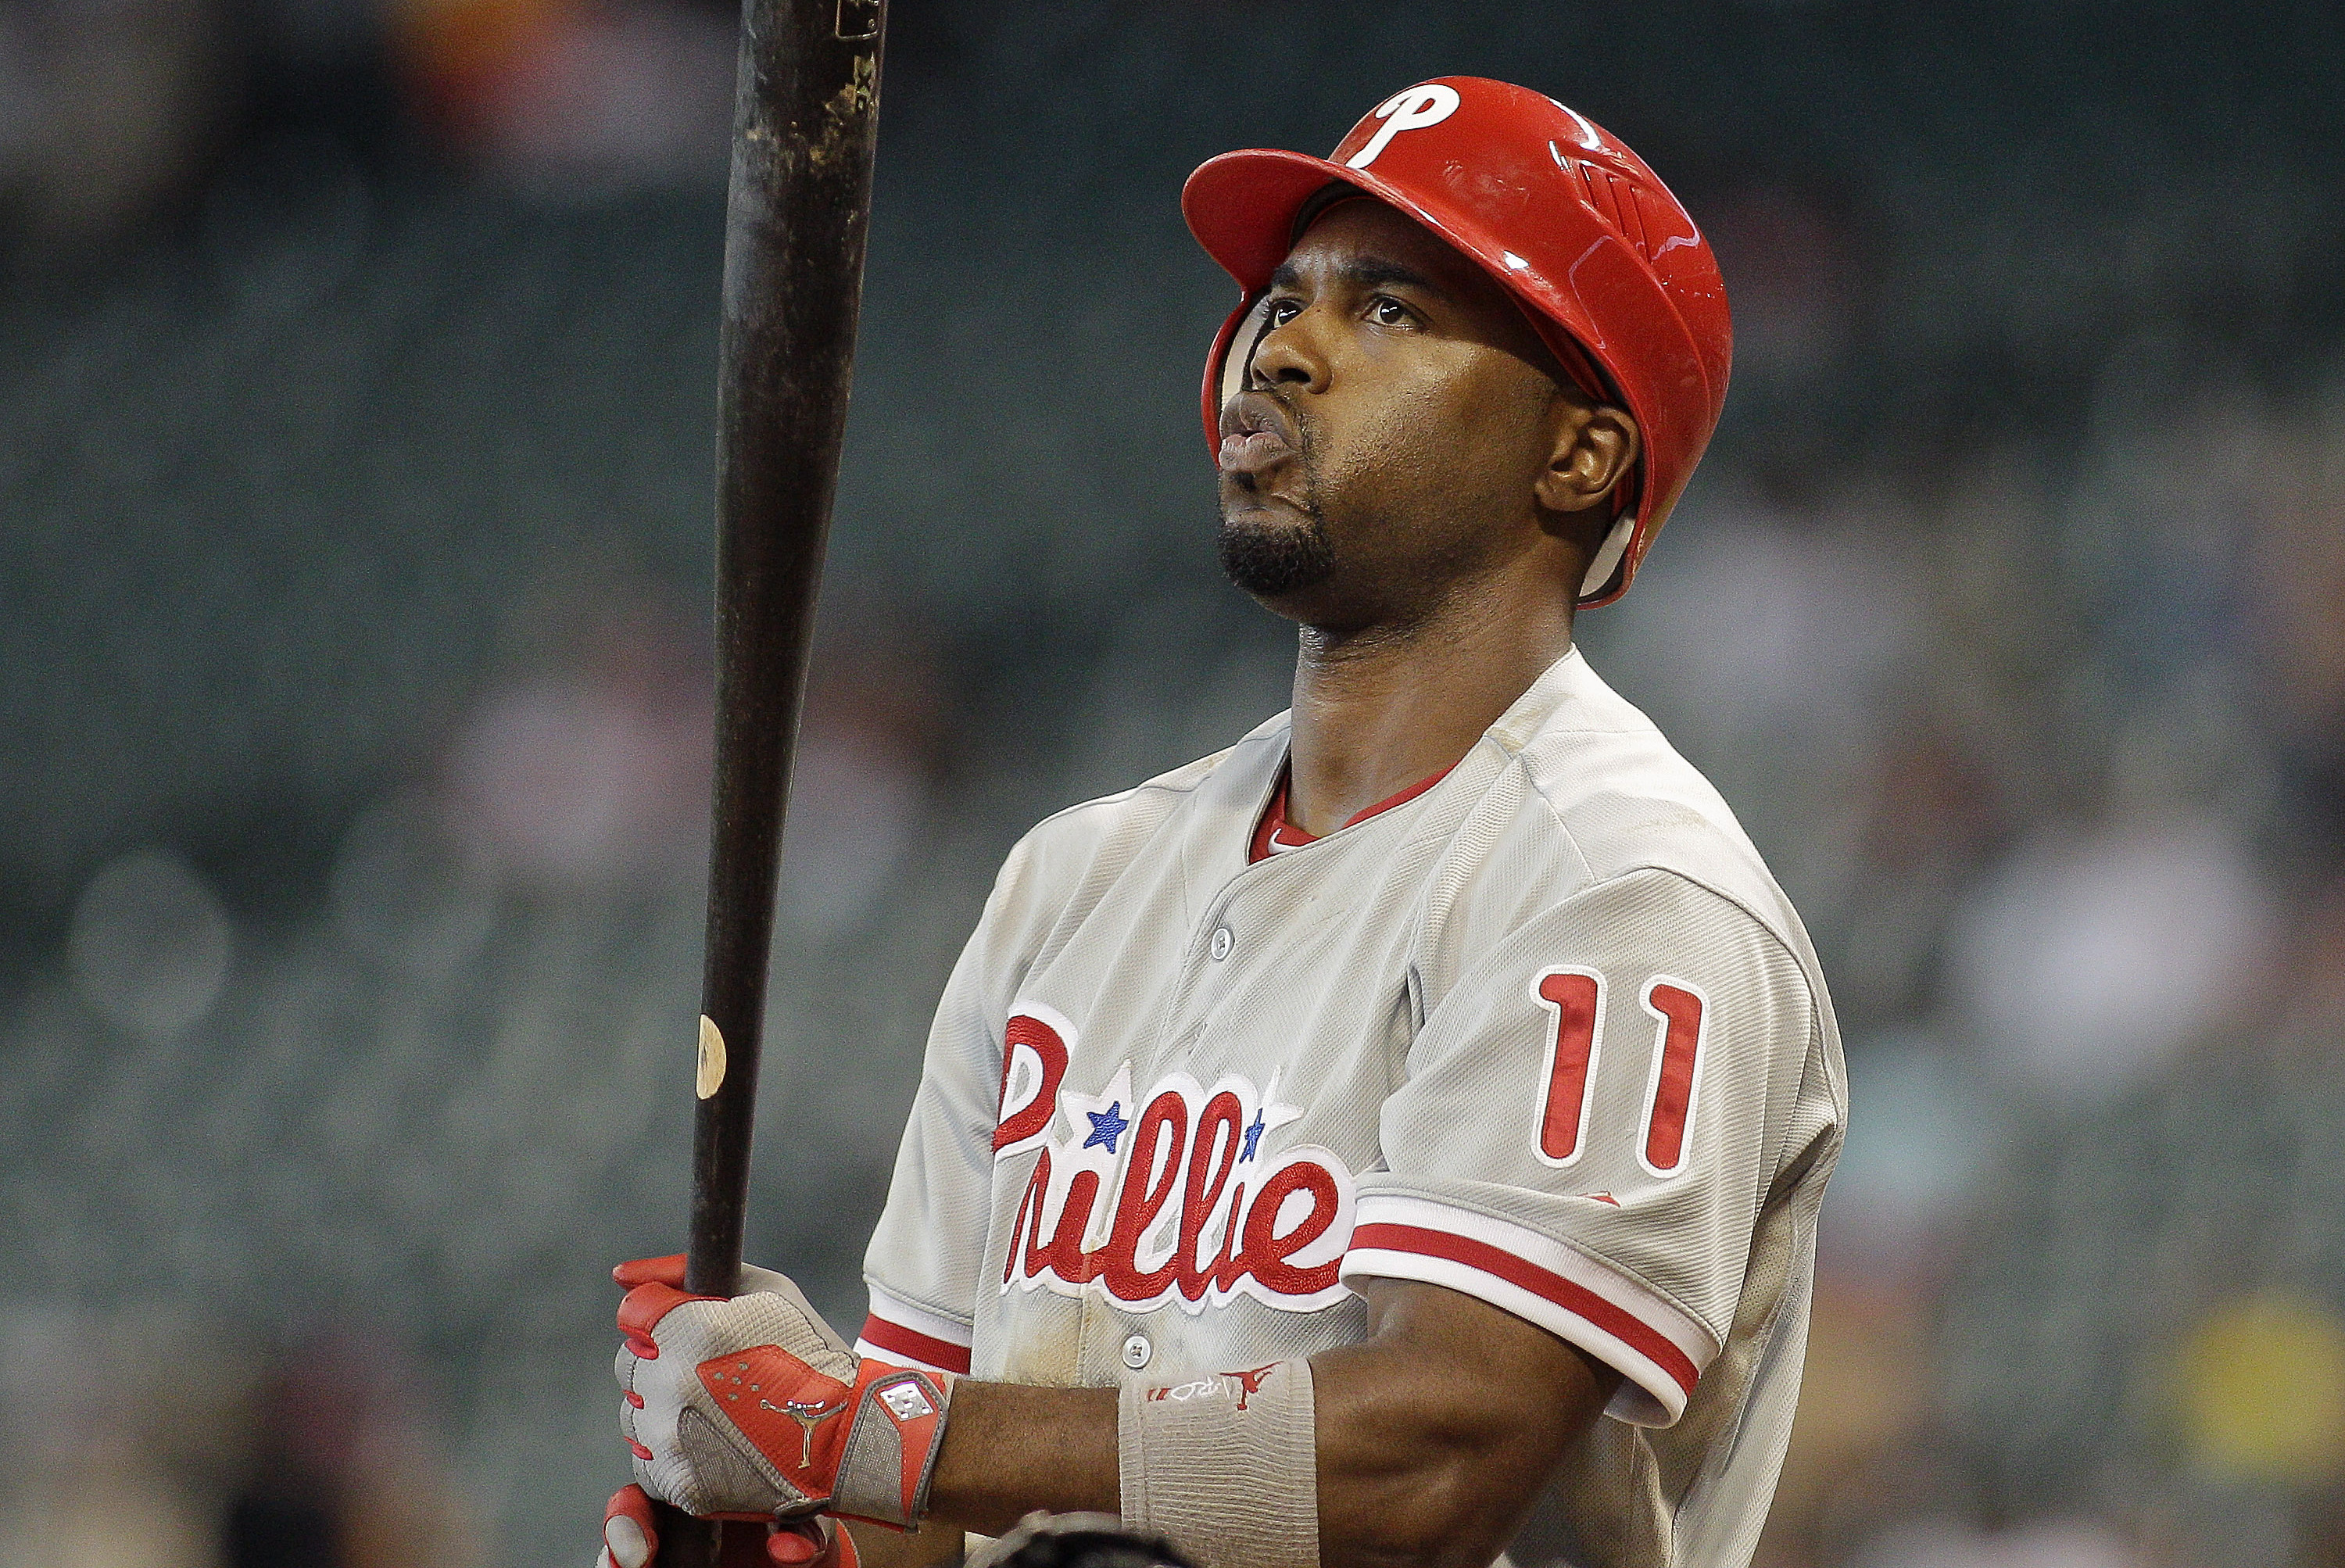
column 1230, row 359
column 1237, row 357
column 1606, row 564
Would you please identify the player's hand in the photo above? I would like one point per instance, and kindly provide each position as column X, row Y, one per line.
column 754, row 1408
column 631, row 1541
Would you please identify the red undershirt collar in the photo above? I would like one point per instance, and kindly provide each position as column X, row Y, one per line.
column 1274, row 832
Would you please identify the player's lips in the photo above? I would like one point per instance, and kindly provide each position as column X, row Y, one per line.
column 1257, row 433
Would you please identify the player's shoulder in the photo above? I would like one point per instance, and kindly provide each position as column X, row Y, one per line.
column 1590, row 825
column 1601, row 787
column 1145, row 805
column 1108, row 831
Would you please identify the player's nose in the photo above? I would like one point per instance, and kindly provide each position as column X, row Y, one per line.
column 1288, row 357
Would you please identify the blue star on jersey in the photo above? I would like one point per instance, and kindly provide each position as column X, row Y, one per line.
column 1107, row 1127
column 1252, row 1136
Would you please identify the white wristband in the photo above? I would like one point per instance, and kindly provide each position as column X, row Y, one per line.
column 1227, row 1465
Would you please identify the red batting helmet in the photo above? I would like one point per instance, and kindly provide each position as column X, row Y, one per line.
column 1591, row 244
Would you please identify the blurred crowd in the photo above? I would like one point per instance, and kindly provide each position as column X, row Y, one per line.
column 2048, row 761
column 356, row 366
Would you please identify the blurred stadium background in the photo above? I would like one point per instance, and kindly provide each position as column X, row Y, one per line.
column 356, row 366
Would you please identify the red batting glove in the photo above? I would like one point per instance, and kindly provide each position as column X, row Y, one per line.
column 754, row 1407
column 629, row 1540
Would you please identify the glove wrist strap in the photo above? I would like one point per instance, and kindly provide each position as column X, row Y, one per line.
column 890, row 1454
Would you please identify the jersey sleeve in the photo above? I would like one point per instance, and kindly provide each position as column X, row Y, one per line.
column 925, row 1253
column 1591, row 1119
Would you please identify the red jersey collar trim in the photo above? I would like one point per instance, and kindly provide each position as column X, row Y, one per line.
column 1274, row 832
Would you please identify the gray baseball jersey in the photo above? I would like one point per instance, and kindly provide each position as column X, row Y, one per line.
column 1546, row 1033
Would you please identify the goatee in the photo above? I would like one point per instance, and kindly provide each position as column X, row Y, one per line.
column 1272, row 560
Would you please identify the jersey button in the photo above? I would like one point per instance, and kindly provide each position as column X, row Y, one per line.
column 1218, row 949
column 1137, row 1350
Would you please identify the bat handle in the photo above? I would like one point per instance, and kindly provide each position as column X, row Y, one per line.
column 727, row 1087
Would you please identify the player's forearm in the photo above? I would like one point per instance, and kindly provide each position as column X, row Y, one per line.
column 1420, row 1467
column 1438, row 1431
column 1010, row 1449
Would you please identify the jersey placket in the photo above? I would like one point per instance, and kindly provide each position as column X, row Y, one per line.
column 1103, row 1329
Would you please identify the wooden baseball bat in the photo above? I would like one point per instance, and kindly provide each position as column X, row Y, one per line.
column 805, row 122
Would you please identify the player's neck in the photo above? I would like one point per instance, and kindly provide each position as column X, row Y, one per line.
column 1381, row 708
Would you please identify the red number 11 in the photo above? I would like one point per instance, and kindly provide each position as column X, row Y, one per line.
column 1669, row 1096
column 1575, row 998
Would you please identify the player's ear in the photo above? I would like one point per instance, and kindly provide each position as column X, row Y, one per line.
column 1596, row 447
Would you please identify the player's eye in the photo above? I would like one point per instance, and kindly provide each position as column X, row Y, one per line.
column 1387, row 311
column 1283, row 310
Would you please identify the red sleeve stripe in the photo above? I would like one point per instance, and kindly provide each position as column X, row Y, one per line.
column 896, row 1340
column 1574, row 1298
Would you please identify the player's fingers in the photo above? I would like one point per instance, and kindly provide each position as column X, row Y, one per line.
column 628, row 1539
column 799, row 1542
column 668, row 1270
column 753, row 1279
column 640, row 1311
column 791, row 1549
column 625, row 1545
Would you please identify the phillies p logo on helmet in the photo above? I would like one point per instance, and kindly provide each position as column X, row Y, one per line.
column 1412, row 110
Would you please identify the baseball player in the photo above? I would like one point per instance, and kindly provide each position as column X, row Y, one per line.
column 1417, row 1113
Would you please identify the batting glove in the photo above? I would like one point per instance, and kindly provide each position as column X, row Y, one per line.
column 754, row 1408
column 630, row 1540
